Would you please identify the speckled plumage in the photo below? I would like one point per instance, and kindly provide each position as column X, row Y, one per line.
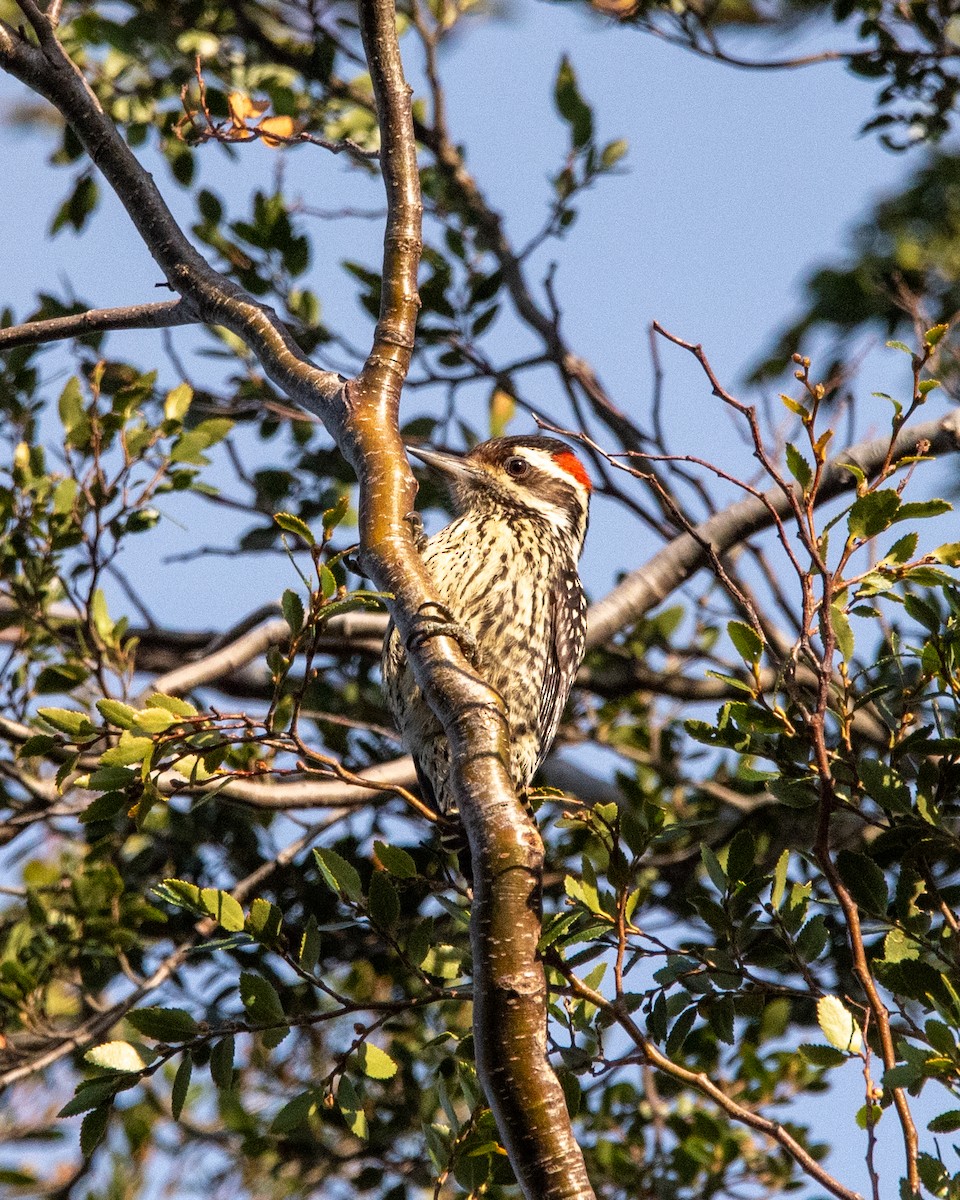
column 506, row 567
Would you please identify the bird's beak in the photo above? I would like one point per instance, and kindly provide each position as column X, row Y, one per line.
column 455, row 468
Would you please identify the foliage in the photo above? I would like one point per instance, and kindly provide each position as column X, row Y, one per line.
column 229, row 958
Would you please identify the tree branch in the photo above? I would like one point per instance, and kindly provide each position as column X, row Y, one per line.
column 647, row 586
column 165, row 314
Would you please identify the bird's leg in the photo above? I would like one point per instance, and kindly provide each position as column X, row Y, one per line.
column 436, row 620
column 415, row 521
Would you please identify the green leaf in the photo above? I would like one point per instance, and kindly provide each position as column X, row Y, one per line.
column 746, row 641
column 155, row 720
column 115, row 1056
column 91, row 1093
column 395, row 860
column 163, row 1024
column 571, row 105
column 263, row 1005
column 221, row 1063
column 902, row 550
column 309, row 951
column 842, row 632
column 933, row 335
column 799, row 468
column 949, row 554
column 100, row 616
column 181, row 1084
column 864, row 880
column 172, row 704
column 328, row 582
column 884, row 784
column 945, row 1122
column 873, row 513
column 919, row 510
column 838, row 1025
column 178, row 402
column 350, row 1106
column 265, row 922
column 613, row 152
column 375, row 1063
column 94, row 1129
column 292, row 607
column 340, row 875
column 894, row 345
column 296, row 1112
column 384, row 901
column 779, row 884
column 717, row 874
column 223, row 908
column 822, row 1056
column 334, row 516
column 291, row 524
column 118, row 714
column 127, row 751
column 926, row 386
column 70, row 405
column 68, row 720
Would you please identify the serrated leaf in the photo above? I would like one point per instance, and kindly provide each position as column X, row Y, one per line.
column 375, row 1063
column 309, row 945
column 155, row 720
column 262, row 1003
column 349, row 1104
column 118, row 714
column 163, row 1024
column 779, row 883
column 172, row 704
column 799, row 468
column 948, row 554
column 127, row 751
column 226, row 911
column 296, row 1112
column 93, row 1129
column 945, row 1122
column 68, row 720
column 873, row 513
column 746, row 641
column 221, row 1063
column 864, row 880
column 265, row 921
column 292, row 524
column 822, row 1056
column 91, row 1094
column 902, row 550
column 115, row 1056
column 842, row 632
column 934, row 335
column 383, row 900
column 920, row 510
column 395, row 860
column 332, row 517
column 712, row 864
column 181, row 1085
column 895, row 345
column 292, row 608
column 340, row 875
column 838, row 1025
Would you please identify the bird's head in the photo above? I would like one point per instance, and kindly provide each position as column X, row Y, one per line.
column 533, row 476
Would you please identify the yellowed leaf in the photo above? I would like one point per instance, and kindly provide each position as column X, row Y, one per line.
column 280, row 127
column 242, row 107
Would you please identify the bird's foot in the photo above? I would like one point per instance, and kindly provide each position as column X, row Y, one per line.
column 415, row 521
column 436, row 620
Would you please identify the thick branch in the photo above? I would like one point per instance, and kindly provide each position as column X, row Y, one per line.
column 647, row 586
column 165, row 314
column 48, row 71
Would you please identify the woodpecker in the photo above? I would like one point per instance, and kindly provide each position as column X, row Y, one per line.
column 506, row 569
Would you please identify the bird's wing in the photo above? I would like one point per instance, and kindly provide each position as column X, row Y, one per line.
column 567, row 624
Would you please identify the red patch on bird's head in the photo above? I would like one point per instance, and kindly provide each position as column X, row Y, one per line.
column 573, row 466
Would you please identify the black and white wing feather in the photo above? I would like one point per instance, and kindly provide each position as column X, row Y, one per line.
column 568, row 631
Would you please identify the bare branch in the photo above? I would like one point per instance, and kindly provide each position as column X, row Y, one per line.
column 647, row 586
column 165, row 314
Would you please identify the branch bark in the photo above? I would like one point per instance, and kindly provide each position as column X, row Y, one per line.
column 510, row 1009
column 164, row 314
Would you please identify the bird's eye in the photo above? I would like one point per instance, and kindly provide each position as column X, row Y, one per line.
column 516, row 467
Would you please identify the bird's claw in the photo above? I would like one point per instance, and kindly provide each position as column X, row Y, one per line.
column 440, row 622
column 415, row 521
